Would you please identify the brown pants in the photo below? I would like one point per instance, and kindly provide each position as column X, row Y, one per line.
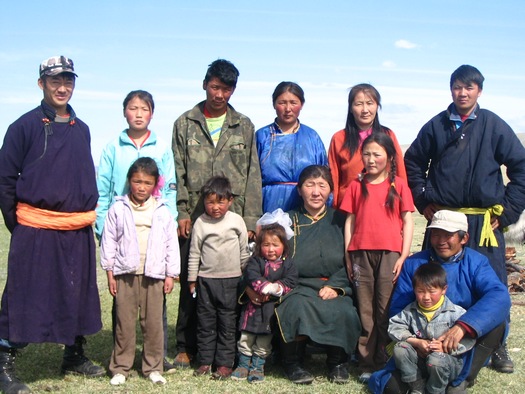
column 138, row 294
column 373, row 276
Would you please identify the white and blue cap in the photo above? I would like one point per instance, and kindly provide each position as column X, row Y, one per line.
column 57, row 65
column 450, row 221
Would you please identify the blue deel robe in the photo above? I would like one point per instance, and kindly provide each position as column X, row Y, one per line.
column 282, row 157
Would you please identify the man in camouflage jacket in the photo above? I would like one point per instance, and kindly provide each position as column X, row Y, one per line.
column 211, row 139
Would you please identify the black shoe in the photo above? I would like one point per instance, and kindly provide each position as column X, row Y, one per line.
column 74, row 361
column 460, row 389
column 9, row 383
column 339, row 374
column 417, row 386
column 168, row 367
column 83, row 366
column 298, row 375
column 501, row 361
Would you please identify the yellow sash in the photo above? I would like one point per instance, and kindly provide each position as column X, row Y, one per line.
column 487, row 237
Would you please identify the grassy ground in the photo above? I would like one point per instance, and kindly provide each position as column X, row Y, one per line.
column 39, row 365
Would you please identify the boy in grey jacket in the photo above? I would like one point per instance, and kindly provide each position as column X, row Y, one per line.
column 418, row 353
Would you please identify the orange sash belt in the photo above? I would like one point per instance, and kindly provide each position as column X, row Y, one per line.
column 28, row 215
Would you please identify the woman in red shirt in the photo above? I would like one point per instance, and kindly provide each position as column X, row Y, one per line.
column 344, row 157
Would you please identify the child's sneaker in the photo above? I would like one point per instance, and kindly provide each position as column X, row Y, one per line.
column 204, row 369
column 240, row 373
column 117, row 379
column 157, row 378
column 256, row 376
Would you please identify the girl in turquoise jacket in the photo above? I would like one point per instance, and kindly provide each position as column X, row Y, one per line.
column 134, row 142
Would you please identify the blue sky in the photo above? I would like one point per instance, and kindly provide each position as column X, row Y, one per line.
column 407, row 49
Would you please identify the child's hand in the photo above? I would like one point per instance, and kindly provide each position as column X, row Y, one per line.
column 397, row 269
column 112, row 283
column 254, row 297
column 349, row 268
column 192, row 286
column 422, row 346
column 168, row 285
column 436, row 346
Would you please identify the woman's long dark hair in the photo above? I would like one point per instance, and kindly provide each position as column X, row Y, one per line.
column 351, row 129
column 385, row 142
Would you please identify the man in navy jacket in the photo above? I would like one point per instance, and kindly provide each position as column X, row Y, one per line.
column 454, row 163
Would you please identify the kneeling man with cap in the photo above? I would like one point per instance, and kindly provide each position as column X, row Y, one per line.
column 472, row 284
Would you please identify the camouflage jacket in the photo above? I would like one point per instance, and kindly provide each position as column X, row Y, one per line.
column 235, row 156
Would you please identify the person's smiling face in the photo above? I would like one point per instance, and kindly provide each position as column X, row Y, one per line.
column 58, row 90
column 446, row 244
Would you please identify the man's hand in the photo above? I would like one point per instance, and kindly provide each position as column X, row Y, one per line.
column 451, row 338
column 184, row 229
column 494, row 222
column 429, row 211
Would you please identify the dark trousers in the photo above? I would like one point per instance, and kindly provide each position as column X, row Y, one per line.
column 186, row 329
column 216, row 324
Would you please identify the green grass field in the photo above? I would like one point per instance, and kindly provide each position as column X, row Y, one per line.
column 39, row 365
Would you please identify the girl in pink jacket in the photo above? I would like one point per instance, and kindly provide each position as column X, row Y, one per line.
column 140, row 253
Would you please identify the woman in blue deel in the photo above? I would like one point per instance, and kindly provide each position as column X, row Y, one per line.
column 285, row 148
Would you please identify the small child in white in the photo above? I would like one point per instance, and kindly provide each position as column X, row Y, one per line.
column 419, row 355
column 140, row 253
column 271, row 274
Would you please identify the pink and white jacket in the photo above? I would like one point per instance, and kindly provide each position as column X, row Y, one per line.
column 120, row 248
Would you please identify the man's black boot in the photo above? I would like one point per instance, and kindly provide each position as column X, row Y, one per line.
column 9, row 383
column 501, row 361
column 75, row 362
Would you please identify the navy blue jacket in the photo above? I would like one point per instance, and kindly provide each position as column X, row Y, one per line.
column 464, row 165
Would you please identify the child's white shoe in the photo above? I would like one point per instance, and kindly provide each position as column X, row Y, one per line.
column 117, row 379
column 157, row 378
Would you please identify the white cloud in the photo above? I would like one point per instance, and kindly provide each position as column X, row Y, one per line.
column 405, row 44
column 389, row 64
